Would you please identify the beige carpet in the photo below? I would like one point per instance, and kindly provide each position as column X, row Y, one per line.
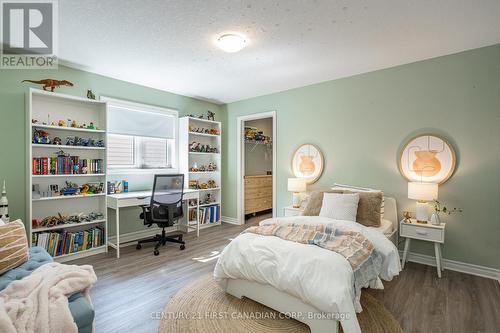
column 203, row 307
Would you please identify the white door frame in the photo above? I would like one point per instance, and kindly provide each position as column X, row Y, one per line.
column 240, row 165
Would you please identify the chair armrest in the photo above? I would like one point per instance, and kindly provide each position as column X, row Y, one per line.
column 145, row 209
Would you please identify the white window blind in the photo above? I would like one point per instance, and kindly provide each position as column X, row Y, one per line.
column 121, row 150
column 127, row 120
column 154, row 153
column 140, row 136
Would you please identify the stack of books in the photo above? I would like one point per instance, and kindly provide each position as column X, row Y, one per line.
column 210, row 214
column 58, row 243
column 66, row 165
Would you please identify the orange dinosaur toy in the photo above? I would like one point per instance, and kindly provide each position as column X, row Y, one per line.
column 50, row 83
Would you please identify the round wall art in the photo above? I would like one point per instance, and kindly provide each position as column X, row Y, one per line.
column 307, row 163
column 427, row 158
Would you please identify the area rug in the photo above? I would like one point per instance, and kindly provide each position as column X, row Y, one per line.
column 203, row 306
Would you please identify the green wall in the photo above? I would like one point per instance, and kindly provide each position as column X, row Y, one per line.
column 361, row 122
column 13, row 123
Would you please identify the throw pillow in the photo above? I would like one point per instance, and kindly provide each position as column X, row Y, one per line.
column 13, row 246
column 369, row 208
column 340, row 206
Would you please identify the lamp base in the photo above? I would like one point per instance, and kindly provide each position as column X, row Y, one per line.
column 422, row 213
column 296, row 200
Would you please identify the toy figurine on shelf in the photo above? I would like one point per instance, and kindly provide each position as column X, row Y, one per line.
column 212, row 184
column 70, row 189
column 210, row 115
column 211, row 166
column 57, row 141
column 4, row 206
column 73, row 123
column 194, row 184
column 208, row 199
column 90, row 94
column 91, row 126
column 40, row 137
column 61, row 123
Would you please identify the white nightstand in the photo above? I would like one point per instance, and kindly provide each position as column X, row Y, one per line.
column 291, row 211
column 425, row 232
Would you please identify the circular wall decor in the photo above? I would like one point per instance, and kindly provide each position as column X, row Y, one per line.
column 427, row 158
column 307, row 163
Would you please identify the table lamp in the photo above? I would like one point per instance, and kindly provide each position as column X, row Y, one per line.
column 296, row 185
column 423, row 192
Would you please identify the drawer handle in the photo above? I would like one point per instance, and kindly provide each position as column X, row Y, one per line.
column 142, row 198
column 423, row 233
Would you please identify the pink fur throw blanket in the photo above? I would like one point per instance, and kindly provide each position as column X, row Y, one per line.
column 39, row 302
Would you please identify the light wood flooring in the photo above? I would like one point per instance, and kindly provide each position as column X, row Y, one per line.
column 138, row 284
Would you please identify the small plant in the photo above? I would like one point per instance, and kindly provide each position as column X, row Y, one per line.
column 441, row 208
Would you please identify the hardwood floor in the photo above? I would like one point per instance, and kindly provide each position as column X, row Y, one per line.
column 130, row 289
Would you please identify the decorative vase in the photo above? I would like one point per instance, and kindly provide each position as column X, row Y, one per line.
column 307, row 166
column 426, row 164
column 435, row 220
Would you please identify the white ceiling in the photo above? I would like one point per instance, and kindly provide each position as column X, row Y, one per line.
column 169, row 45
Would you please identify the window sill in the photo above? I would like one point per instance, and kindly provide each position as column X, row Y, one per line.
column 142, row 171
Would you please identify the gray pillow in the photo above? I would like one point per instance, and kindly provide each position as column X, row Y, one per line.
column 368, row 207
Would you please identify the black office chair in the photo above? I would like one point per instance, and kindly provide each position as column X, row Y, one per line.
column 164, row 210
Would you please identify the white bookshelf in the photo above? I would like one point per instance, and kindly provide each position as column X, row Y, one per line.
column 188, row 158
column 47, row 107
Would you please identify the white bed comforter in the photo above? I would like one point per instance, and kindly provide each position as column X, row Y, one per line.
column 317, row 276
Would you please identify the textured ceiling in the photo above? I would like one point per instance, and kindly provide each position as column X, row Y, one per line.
column 169, row 45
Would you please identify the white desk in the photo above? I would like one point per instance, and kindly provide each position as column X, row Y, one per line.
column 130, row 199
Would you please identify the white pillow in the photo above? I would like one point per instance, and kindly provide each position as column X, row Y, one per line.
column 340, row 206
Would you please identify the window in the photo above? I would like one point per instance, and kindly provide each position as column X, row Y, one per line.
column 138, row 152
column 140, row 136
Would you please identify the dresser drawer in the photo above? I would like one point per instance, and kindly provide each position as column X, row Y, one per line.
column 420, row 232
column 134, row 201
column 257, row 182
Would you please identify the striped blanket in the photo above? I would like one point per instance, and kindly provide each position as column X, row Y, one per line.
column 365, row 261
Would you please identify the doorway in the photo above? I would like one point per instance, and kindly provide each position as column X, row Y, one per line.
column 256, row 167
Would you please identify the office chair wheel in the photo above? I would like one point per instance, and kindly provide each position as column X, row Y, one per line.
column 156, row 252
column 138, row 247
column 182, row 247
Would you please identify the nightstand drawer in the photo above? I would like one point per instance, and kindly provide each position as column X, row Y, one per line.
column 421, row 232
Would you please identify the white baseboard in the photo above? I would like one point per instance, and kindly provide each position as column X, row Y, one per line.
column 230, row 220
column 458, row 266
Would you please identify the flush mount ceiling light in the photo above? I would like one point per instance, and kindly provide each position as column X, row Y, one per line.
column 231, row 42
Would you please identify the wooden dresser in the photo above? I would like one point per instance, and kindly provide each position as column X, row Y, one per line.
column 258, row 193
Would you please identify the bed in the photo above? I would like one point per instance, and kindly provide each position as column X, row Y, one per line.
column 305, row 282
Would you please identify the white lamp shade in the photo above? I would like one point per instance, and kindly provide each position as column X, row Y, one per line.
column 296, row 185
column 422, row 191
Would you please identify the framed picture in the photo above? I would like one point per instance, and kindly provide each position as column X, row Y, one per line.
column 307, row 163
column 427, row 158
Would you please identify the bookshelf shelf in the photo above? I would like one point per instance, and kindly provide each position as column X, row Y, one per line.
column 202, row 172
column 67, row 226
column 63, row 197
column 65, row 128
column 210, row 204
column 41, row 106
column 202, row 153
column 38, row 145
column 81, row 254
column 71, row 175
column 205, row 134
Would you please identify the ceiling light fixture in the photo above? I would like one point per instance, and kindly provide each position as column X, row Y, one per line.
column 231, row 42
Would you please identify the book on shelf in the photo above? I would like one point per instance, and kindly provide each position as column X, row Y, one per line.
column 66, row 165
column 210, row 214
column 59, row 243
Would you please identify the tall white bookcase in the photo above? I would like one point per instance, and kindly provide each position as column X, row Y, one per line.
column 188, row 159
column 46, row 108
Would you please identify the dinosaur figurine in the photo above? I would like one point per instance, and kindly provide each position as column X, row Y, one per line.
column 50, row 83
